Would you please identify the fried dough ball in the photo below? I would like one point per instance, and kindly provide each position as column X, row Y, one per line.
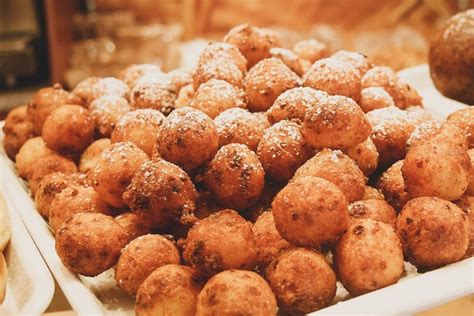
column 268, row 240
column 180, row 77
column 283, row 150
column 32, row 150
column 235, row 176
column 263, row 119
column 169, row 290
column 465, row 120
column 140, row 258
column 335, row 122
column 161, row 190
column 135, row 224
column 372, row 193
column 90, row 243
column 113, row 171
column 110, row 86
column 47, row 165
column 188, row 138
column 337, row 168
column 368, row 256
column 73, row 200
column 69, row 129
column 132, row 73
column 45, row 101
column 392, row 186
column 253, row 42
column 222, row 241
column 391, row 128
column 236, row 292
column 365, row 155
column 373, row 98
column 219, row 68
column 90, row 156
column 413, row 98
column 105, row 111
column 53, row 184
column 302, row 281
column 444, row 132
column 18, row 128
column 356, row 59
column 215, row 96
column 83, row 90
column 140, row 127
column 157, row 95
column 239, row 126
column 266, row 81
column 385, row 77
column 227, row 51
column 335, row 77
column 185, row 97
column 433, row 231
column 375, row 209
column 293, row 104
column 470, row 188
column 264, row 203
column 289, row 58
column 310, row 211
column 437, row 168
column 311, row 50
column 466, row 203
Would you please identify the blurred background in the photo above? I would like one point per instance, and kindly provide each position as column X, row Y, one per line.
column 48, row 41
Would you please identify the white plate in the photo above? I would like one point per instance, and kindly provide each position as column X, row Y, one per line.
column 30, row 286
column 100, row 295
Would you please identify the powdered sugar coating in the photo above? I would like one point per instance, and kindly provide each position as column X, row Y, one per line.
column 334, row 76
column 140, row 127
column 84, row 90
column 465, row 120
column 180, row 77
column 188, row 138
column 338, row 168
column 114, row 170
column 335, row 122
column 289, row 58
column 311, row 50
column 294, row 103
column 218, row 68
column 235, row 176
column 253, row 42
column 154, row 95
column 110, row 85
column 283, row 150
column 106, row 111
column 239, row 126
column 373, row 98
column 356, row 59
column 227, row 51
column 134, row 72
column 216, row 96
column 161, row 190
column 266, row 81
column 386, row 78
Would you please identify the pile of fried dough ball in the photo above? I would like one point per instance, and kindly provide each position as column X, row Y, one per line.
column 250, row 184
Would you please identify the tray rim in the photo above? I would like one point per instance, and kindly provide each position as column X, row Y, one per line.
column 25, row 248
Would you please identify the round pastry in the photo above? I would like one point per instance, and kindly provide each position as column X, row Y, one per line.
column 306, row 273
column 136, row 262
column 222, row 241
column 169, row 290
column 237, row 293
column 90, row 243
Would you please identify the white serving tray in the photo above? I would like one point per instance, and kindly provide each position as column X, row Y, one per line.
column 30, row 286
column 99, row 295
